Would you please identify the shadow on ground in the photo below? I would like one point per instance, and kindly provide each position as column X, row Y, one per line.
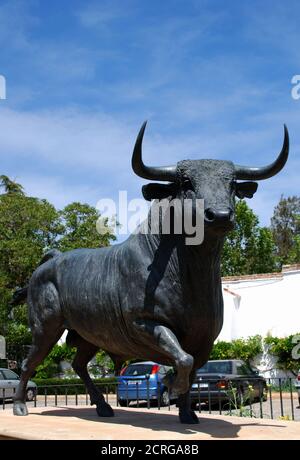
column 212, row 426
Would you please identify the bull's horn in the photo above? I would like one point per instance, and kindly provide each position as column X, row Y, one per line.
column 163, row 173
column 253, row 173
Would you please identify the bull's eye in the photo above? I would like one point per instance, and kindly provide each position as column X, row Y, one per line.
column 187, row 185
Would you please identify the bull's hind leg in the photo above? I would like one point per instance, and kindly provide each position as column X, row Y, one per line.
column 162, row 338
column 47, row 327
column 85, row 352
column 42, row 344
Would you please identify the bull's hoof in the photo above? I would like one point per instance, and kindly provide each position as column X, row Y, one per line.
column 104, row 410
column 188, row 417
column 20, row 408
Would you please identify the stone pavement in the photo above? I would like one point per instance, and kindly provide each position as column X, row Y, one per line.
column 131, row 424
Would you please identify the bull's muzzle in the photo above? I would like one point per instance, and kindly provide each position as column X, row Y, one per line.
column 219, row 218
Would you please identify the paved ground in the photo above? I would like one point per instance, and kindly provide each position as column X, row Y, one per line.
column 132, row 423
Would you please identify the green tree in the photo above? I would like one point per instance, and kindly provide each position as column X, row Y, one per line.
column 285, row 226
column 10, row 186
column 79, row 221
column 28, row 228
column 50, row 365
column 282, row 348
column 249, row 248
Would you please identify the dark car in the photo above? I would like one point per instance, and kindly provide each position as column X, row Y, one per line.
column 227, row 381
column 143, row 381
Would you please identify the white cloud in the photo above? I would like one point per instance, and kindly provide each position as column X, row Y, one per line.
column 66, row 138
column 100, row 15
column 72, row 155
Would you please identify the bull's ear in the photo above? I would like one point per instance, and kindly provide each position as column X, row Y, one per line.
column 155, row 191
column 246, row 189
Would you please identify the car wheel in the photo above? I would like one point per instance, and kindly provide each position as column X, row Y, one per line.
column 165, row 399
column 30, row 393
column 123, row 403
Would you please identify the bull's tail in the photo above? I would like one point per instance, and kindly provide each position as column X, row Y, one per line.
column 20, row 294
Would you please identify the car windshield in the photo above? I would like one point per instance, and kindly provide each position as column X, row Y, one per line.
column 215, row 367
column 10, row 375
column 138, row 369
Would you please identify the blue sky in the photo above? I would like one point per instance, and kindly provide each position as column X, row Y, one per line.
column 213, row 78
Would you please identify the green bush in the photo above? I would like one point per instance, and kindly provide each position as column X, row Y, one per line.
column 245, row 349
column 282, row 348
column 73, row 386
column 50, row 366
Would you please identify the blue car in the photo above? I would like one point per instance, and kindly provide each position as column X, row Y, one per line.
column 143, row 381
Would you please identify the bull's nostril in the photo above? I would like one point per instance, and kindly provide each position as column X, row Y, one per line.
column 210, row 215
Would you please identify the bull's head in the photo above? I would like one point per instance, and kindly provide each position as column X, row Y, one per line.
column 214, row 181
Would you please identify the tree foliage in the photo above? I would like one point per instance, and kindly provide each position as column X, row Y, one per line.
column 285, row 226
column 282, row 348
column 245, row 349
column 28, row 228
column 248, row 248
column 79, row 224
column 10, row 186
column 50, row 365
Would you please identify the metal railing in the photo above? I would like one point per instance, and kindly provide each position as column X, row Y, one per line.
column 274, row 398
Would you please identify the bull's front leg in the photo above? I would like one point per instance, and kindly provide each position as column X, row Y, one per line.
column 186, row 414
column 159, row 336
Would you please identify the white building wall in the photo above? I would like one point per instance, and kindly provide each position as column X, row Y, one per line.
column 263, row 305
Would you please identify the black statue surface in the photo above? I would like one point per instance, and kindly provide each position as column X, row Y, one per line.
column 152, row 297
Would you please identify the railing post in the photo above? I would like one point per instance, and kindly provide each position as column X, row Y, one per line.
column 219, row 400
column 271, row 401
column 292, row 400
column 260, row 399
column 158, row 395
column 230, row 396
column 148, row 396
column 281, row 402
